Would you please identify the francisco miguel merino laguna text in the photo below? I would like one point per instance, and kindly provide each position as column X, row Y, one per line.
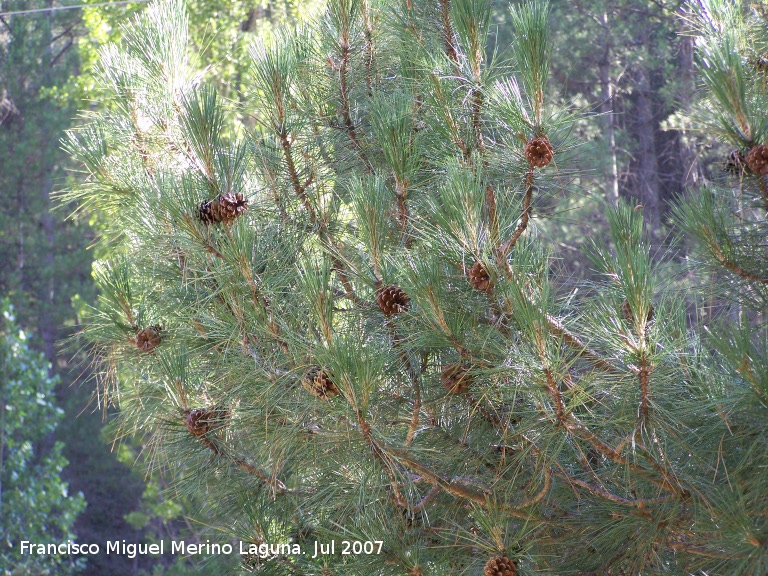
column 131, row 550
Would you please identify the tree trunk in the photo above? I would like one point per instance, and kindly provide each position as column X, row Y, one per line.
column 48, row 140
column 606, row 108
column 46, row 318
column 693, row 173
column 646, row 173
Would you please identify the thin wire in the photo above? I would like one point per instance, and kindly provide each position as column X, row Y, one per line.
column 54, row 8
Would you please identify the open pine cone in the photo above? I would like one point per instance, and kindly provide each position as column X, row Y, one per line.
column 224, row 208
column 147, row 339
column 393, row 300
column 539, row 152
column 479, row 277
column 757, row 159
column 318, row 383
column 500, row 566
column 200, row 421
column 231, row 206
column 208, row 212
column 455, row 378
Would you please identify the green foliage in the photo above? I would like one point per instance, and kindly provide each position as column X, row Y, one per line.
column 497, row 409
column 34, row 503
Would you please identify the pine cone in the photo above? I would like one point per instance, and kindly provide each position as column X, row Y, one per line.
column 208, row 212
column 393, row 300
column 479, row 277
column 231, row 206
column 319, row 383
column 626, row 309
column 736, row 162
column 200, row 421
column 455, row 378
column 757, row 159
column 224, row 208
column 539, row 152
column 147, row 339
column 500, row 566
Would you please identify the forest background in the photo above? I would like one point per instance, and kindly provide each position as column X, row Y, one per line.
column 626, row 64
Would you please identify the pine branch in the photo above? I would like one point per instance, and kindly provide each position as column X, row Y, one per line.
column 450, row 121
column 453, row 487
column 556, row 396
column 448, row 35
column 277, row 486
column 643, row 374
column 368, row 50
column 735, row 268
column 556, row 328
column 521, row 227
column 640, row 504
column 344, row 96
column 299, row 188
column 405, row 359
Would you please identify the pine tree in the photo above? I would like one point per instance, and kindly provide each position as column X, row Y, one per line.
column 344, row 324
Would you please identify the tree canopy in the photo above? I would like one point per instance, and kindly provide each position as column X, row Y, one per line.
column 332, row 304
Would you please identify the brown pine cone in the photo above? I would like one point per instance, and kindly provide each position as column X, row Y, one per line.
column 539, row 152
column 757, row 159
column 147, row 339
column 231, row 206
column 224, row 208
column 319, row 383
column 500, row 566
column 455, row 378
column 200, row 421
column 479, row 277
column 393, row 300
column 208, row 212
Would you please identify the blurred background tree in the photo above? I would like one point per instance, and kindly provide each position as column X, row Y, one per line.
column 35, row 503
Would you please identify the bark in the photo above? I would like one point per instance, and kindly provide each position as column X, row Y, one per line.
column 646, row 169
column 690, row 159
column 46, row 320
column 606, row 88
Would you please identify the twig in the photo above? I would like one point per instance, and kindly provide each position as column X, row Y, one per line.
column 645, row 390
column 556, row 396
column 556, row 328
column 450, row 49
column 640, row 503
column 507, row 246
column 344, row 93
column 298, row 188
column 274, row 483
column 415, row 414
column 541, row 494
column 453, row 487
column 368, row 50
